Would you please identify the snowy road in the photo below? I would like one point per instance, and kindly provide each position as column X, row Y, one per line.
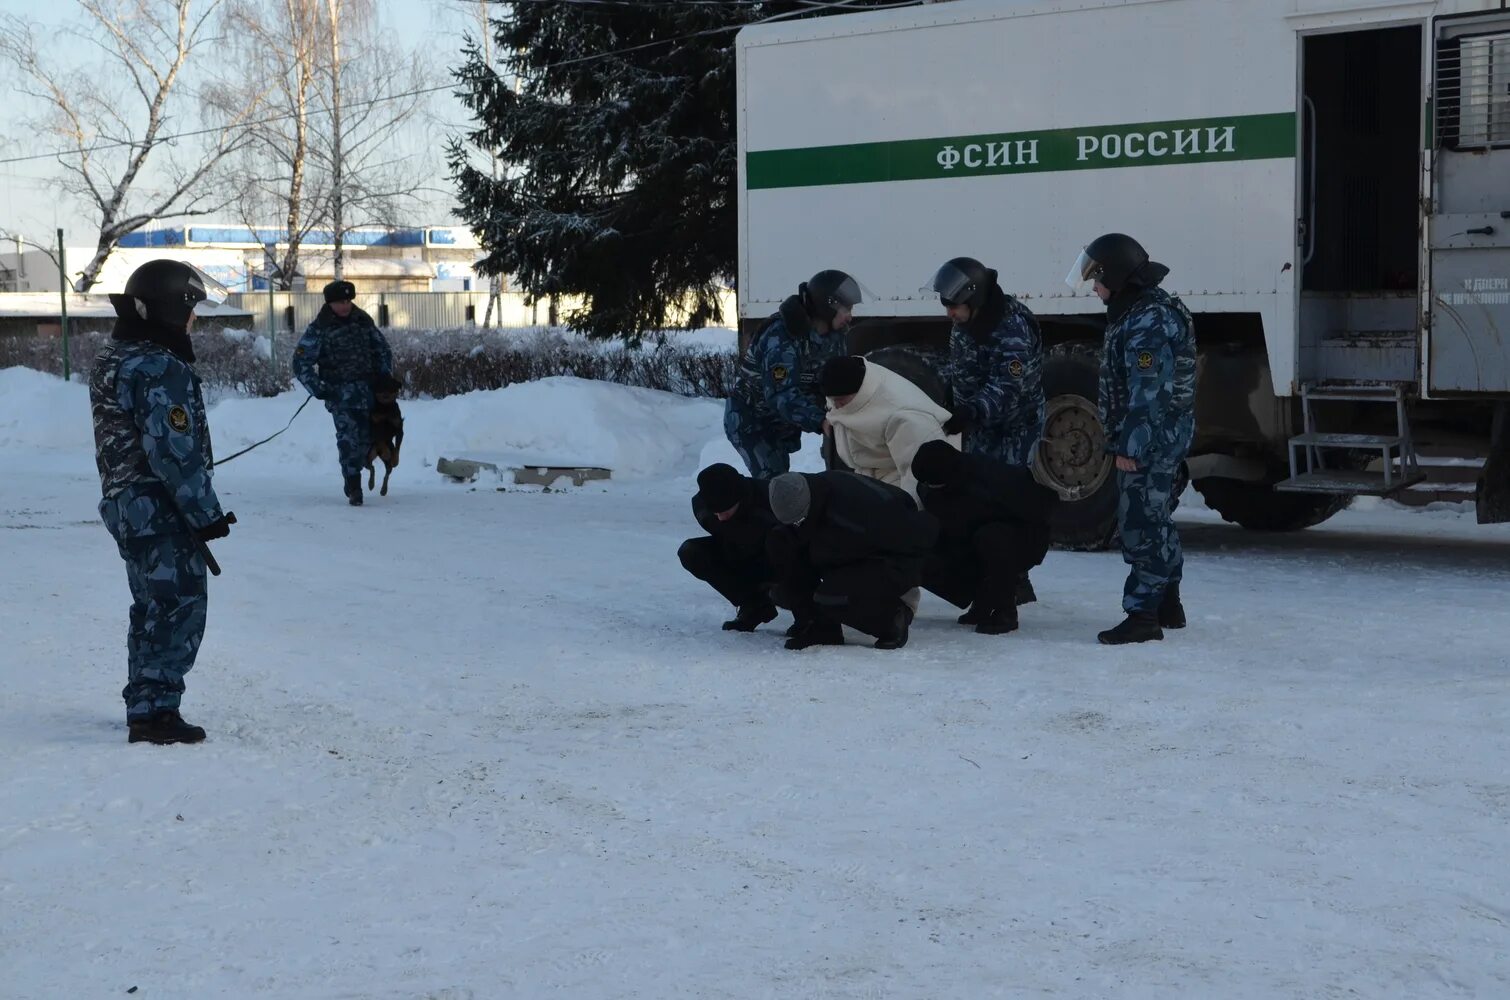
column 467, row 743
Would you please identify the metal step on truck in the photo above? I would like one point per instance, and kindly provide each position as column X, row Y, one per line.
column 1328, row 181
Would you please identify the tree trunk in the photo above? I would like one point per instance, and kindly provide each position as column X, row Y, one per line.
column 336, row 206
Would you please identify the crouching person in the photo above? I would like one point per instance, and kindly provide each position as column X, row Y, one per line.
column 878, row 419
column 735, row 511
column 993, row 527
column 848, row 551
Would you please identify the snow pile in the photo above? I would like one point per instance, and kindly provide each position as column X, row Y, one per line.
column 637, row 433
column 42, row 412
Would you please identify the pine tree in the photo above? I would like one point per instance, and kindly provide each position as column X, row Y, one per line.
column 616, row 155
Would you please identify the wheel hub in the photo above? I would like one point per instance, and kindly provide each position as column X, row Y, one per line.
column 1073, row 458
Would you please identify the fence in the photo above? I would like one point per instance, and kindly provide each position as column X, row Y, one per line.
column 293, row 311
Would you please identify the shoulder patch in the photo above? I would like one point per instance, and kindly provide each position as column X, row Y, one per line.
column 299, row 351
column 779, row 373
column 1145, row 360
column 1016, row 368
column 178, row 418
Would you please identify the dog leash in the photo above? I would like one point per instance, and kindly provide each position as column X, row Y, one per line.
column 265, row 440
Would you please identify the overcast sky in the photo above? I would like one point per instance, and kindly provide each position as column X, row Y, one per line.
column 30, row 202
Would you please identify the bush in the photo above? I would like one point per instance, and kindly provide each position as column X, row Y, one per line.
column 432, row 363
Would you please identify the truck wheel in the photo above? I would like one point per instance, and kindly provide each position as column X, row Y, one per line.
column 1072, row 457
column 1258, row 507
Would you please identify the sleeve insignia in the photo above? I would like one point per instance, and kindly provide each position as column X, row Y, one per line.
column 779, row 373
column 1016, row 368
column 1145, row 361
column 178, row 419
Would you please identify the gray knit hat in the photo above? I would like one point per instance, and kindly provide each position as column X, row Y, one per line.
column 790, row 497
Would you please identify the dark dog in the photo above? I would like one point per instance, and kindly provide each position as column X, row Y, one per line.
column 387, row 429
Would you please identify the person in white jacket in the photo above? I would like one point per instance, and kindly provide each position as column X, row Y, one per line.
column 879, row 419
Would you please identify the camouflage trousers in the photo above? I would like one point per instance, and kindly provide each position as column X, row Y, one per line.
column 1012, row 445
column 1150, row 542
column 168, row 602
column 353, row 439
column 765, row 447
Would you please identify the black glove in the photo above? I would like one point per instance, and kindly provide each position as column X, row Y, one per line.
column 957, row 424
column 218, row 528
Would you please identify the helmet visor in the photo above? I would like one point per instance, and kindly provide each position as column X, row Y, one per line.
column 952, row 285
column 847, row 293
column 1086, row 272
column 214, row 293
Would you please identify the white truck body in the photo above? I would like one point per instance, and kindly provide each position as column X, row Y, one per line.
column 1016, row 131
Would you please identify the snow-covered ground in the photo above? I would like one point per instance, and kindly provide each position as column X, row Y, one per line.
column 471, row 743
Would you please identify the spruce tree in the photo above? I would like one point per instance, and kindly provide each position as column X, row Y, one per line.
column 613, row 128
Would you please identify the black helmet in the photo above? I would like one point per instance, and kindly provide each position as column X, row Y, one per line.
column 165, row 292
column 1114, row 260
column 826, row 291
column 963, row 281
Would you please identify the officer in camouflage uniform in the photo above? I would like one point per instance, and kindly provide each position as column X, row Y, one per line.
column 337, row 359
column 776, row 395
column 1148, row 412
column 995, row 364
column 152, row 446
column 995, row 370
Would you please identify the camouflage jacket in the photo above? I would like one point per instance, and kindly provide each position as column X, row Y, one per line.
column 778, row 375
column 152, row 442
column 1148, row 381
column 337, row 358
column 998, row 385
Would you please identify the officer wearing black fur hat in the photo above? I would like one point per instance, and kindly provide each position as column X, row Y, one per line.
column 776, row 396
column 340, row 355
column 993, row 528
column 735, row 511
column 152, row 447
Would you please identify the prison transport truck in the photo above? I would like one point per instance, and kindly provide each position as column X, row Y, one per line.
column 1327, row 180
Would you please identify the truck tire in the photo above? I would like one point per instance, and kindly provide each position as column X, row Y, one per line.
column 1257, row 507
column 1072, row 457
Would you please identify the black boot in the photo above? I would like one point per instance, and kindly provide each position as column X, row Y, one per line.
column 972, row 615
column 796, row 628
column 998, row 621
column 354, row 490
column 1171, row 611
column 1025, row 594
column 750, row 616
column 163, row 727
column 896, row 636
column 817, row 633
column 1140, row 626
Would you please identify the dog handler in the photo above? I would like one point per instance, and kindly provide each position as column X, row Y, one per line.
column 337, row 359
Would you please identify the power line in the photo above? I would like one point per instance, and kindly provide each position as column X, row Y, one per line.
column 808, row 7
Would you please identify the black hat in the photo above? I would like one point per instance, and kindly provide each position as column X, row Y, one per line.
column 340, row 291
column 721, row 486
column 842, row 376
column 937, row 463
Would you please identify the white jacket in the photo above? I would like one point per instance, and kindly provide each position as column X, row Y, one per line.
column 877, row 433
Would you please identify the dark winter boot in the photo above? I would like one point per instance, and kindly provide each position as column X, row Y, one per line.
column 896, row 636
column 1171, row 611
column 972, row 615
column 1025, row 594
column 998, row 621
column 1140, row 626
column 796, row 628
column 354, row 490
column 750, row 616
column 163, row 727
column 817, row 633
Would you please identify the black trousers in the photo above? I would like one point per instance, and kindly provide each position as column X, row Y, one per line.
column 740, row 581
column 864, row 595
column 985, row 567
